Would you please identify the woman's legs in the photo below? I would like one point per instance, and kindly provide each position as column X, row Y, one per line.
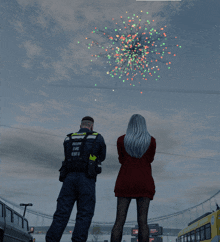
column 122, row 209
column 142, row 211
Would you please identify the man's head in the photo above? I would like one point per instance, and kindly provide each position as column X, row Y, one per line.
column 87, row 122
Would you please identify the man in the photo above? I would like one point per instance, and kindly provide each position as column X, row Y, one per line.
column 77, row 185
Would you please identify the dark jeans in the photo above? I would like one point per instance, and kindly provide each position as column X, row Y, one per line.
column 122, row 209
column 76, row 187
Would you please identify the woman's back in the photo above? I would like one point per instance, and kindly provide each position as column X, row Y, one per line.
column 135, row 175
column 136, row 152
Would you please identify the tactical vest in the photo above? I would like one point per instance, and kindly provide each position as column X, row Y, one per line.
column 75, row 156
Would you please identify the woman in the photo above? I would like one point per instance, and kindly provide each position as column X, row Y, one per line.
column 136, row 151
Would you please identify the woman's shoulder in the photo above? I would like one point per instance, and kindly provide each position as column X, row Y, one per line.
column 153, row 140
column 120, row 139
column 152, row 144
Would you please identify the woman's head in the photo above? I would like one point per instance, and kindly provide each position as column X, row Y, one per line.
column 137, row 124
column 137, row 138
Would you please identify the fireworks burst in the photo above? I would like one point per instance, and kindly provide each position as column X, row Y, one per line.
column 133, row 49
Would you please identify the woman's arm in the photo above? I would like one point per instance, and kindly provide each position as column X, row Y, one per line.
column 152, row 149
column 120, row 151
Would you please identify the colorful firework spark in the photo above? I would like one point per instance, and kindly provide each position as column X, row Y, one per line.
column 134, row 49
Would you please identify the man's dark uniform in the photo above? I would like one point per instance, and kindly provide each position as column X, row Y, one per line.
column 77, row 186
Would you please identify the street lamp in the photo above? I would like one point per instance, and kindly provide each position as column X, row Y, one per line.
column 25, row 204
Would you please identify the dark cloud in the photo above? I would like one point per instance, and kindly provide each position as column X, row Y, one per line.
column 137, row 89
column 24, row 146
column 44, row 148
column 42, row 151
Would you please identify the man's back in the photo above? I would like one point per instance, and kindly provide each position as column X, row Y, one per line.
column 78, row 146
column 81, row 149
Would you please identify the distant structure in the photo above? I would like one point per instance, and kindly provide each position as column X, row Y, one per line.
column 174, row 221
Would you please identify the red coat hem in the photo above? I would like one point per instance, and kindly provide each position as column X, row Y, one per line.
column 134, row 196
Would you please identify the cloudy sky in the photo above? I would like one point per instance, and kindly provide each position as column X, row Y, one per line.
column 48, row 85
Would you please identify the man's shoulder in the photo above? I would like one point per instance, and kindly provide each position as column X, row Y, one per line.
column 84, row 133
column 69, row 134
column 99, row 136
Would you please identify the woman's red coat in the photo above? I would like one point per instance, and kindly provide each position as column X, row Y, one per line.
column 135, row 175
